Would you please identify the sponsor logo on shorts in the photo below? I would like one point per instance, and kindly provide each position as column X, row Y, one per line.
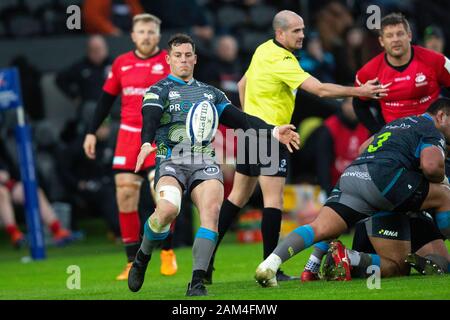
column 170, row 169
column 358, row 174
column 120, row 161
column 388, row 233
column 283, row 164
column 210, row 171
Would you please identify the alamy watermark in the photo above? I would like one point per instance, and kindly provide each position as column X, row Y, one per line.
column 374, row 280
column 373, row 22
column 73, row 281
column 253, row 147
column 73, row 21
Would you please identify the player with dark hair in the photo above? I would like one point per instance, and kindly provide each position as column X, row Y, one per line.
column 267, row 90
column 132, row 73
column 185, row 167
column 401, row 170
column 416, row 76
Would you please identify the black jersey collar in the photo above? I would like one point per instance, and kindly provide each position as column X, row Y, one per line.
column 403, row 67
column 295, row 53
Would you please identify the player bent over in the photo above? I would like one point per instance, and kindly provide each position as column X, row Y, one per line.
column 165, row 108
column 401, row 170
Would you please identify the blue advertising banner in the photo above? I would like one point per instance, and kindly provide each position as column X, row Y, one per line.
column 10, row 96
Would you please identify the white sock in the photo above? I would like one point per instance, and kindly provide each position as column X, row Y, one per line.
column 354, row 256
column 272, row 262
column 313, row 264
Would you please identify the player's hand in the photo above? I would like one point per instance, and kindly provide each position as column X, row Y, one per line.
column 89, row 145
column 146, row 149
column 287, row 136
column 374, row 90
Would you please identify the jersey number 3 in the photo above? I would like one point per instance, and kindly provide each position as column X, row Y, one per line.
column 380, row 140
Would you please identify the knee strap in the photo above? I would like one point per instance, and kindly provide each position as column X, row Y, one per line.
column 171, row 194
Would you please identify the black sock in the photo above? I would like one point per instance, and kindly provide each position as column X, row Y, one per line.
column 198, row 276
column 142, row 257
column 270, row 229
column 131, row 250
column 167, row 242
column 228, row 213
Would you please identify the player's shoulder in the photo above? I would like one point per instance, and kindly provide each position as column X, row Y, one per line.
column 426, row 54
column 204, row 85
column 429, row 57
column 162, row 85
column 271, row 51
column 124, row 57
column 373, row 65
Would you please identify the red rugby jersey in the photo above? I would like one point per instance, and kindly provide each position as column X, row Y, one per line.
column 413, row 89
column 131, row 76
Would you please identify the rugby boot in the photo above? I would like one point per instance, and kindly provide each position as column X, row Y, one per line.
column 196, row 290
column 308, row 275
column 281, row 276
column 423, row 265
column 341, row 261
column 124, row 274
column 328, row 271
column 62, row 237
column 137, row 271
column 18, row 239
column 266, row 276
column 168, row 262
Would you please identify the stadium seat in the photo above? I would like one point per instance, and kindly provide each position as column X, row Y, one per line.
column 262, row 15
column 34, row 4
column 229, row 17
column 24, row 26
column 252, row 39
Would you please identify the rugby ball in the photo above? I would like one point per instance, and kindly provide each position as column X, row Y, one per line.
column 202, row 122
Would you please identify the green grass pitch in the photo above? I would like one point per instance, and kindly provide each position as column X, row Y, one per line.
column 100, row 261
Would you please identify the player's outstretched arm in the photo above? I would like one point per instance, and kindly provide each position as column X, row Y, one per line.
column 371, row 89
column 241, row 89
column 102, row 110
column 236, row 119
column 151, row 116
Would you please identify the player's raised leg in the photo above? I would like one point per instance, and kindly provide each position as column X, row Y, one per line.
column 206, row 237
column 243, row 187
column 272, row 189
column 156, row 228
column 329, row 224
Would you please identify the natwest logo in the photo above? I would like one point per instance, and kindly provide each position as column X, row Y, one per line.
column 132, row 91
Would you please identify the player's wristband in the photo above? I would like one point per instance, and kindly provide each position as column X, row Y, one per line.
column 146, row 144
column 275, row 132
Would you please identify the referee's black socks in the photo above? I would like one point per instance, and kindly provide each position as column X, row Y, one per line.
column 270, row 229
